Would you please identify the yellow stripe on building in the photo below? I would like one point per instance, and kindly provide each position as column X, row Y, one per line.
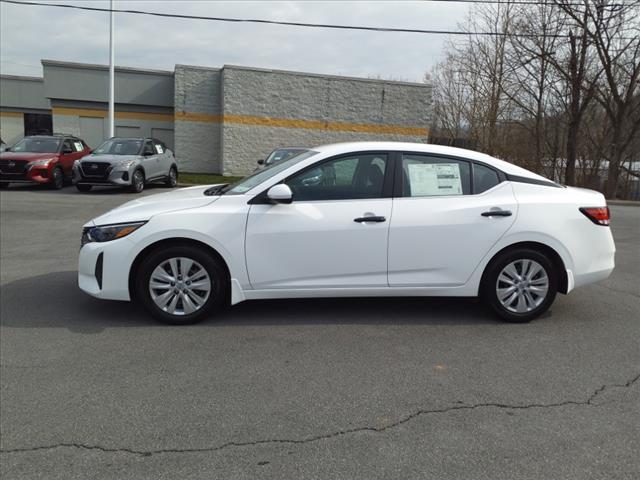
column 4, row 113
column 303, row 124
column 88, row 112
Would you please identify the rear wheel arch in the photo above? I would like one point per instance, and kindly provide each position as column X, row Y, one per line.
column 549, row 252
column 173, row 242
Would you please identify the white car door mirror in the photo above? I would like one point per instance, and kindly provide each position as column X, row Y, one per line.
column 280, row 193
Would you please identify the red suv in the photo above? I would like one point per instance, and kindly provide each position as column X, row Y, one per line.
column 41, row 159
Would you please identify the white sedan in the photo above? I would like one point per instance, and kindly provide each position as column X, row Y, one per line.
column 352, row 220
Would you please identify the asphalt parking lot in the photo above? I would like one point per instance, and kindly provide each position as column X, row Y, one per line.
column 349, row 388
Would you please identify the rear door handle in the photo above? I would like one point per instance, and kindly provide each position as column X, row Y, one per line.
column 497, row 213
column 371, row 218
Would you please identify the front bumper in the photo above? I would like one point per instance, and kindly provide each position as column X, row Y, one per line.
column 109, row 177
column 103, row 269
column 30, row 175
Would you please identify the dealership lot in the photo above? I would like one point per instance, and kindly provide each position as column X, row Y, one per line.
column 339, row 388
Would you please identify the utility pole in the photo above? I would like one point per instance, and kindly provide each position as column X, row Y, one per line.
column 111, row 71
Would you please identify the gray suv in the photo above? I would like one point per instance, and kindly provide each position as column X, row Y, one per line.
column 127, row 162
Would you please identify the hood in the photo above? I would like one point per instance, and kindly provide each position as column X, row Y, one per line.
column 28, row 156
column 108, row 158
column 146, row 207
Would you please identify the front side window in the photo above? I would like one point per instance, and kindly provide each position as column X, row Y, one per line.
column 426, row 176
column 67, row 146
column 148, row 148
column 116, row 146
column 345, row 178
column 37, row 145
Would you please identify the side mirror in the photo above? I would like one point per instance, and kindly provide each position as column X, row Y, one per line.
column 67, row 151
column 280, row 193
column 261, row 162
column 147, row 153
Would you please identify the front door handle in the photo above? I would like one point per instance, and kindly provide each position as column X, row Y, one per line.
column 497, row 213
column 371, row 218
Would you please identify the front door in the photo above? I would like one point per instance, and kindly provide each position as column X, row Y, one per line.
column 438, row 232
column 333, row 234
column 150, row 162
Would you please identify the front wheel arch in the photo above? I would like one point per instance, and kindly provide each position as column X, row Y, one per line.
column 172, row 242
column 560, row 268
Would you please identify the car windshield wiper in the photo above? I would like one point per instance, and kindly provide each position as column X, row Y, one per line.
column 215, row 190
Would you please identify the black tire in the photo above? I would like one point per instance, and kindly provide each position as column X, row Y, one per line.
column 4, row 185
column 490, row 285
column 57, row 178
column 219, row 280
column 172, row 178
column 137, row 181
column 83, row 188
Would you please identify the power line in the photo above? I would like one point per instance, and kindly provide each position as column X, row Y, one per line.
column 521, row 2
column 291, row 24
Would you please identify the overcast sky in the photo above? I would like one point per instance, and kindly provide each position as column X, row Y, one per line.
column 29, row 33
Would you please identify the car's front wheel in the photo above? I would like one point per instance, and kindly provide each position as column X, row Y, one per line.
column 520, row 284
column 57, row 179
column 181, row 284
column 137, row 181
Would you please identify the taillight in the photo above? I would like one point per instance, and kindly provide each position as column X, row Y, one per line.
column 598, row 215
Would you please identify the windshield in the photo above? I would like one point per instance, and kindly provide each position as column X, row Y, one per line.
column 37, row 145
column 119, row 146
column 257, row 178
column 283, row 154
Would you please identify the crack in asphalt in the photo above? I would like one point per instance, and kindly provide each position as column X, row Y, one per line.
column 146, row 453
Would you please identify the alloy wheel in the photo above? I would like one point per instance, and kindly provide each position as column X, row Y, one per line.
column 522, row 286
column 180, row 286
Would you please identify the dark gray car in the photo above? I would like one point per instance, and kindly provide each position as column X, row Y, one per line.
column 127, row 162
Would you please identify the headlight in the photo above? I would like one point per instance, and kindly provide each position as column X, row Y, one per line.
column 106, row 233
column 41, row 163
column 124, row 164
column 76, row 163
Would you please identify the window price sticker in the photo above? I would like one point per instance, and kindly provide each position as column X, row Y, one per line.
column 428, row 179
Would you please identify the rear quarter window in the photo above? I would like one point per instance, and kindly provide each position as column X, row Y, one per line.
column 484, row 178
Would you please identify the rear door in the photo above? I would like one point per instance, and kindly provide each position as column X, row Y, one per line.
column 444, row 222
column 164, row 157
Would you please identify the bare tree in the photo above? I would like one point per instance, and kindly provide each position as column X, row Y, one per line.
column 614, row 31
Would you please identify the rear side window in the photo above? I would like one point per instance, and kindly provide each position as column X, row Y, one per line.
column 426, row 176
column 484, row 178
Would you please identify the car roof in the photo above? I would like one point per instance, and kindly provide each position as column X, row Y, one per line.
column 504, row 166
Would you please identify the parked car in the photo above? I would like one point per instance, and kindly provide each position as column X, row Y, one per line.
column 127, row 162
column 354, row 219
column 280, row 155
column 46, row 159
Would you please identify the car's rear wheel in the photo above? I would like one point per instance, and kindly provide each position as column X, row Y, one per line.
column 520, row 284
column 172, row 178
column 83, row 188
column 57, row 178
column 182, row 284
column 137, row 181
